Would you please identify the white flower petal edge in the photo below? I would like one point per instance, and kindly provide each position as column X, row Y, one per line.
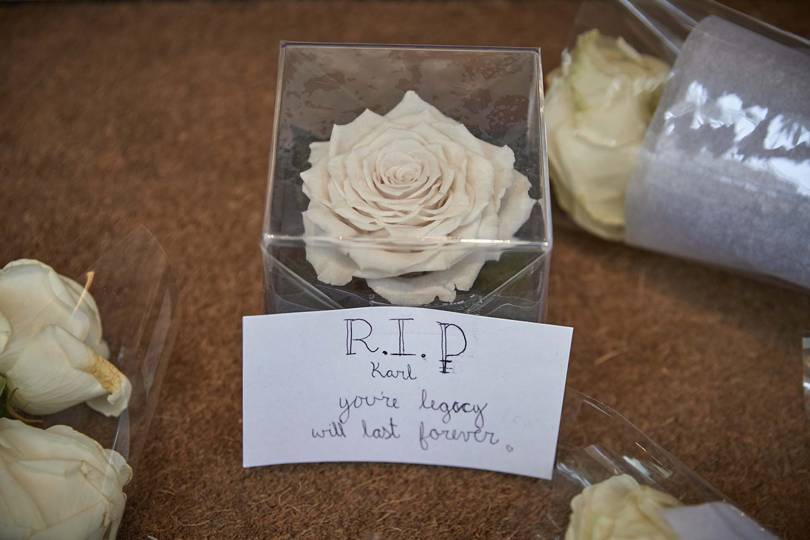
column 32, row 295
column 620, row 507
column 55, row 371
column 58, row 484
column 409, row 184
column 54, row 356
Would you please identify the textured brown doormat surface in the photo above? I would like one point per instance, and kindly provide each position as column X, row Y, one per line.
column 161, row 114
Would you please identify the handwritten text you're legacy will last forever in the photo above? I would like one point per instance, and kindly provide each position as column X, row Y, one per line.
column 452, row 344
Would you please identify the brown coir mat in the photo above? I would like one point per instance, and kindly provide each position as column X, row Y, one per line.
column 161, row 114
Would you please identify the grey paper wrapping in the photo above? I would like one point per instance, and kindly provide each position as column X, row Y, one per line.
column 724, row 173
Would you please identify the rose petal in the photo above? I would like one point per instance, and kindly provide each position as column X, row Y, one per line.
column 316, row 180
column 94, row 338
column 325, row 220
column 318, row 151
column 461, row 135
column 60, row 484
column 431, row 134
column 481, row 177
column 425, row 289
column 516, row 207
column 591, row 172
column 499, row 156
column 55, row 370
column 488, row 226
column 33, row 295
column 442, row 228
column 620, row 508
column 374, row 262
column 503, row 162
column 331, row 266
column 17, row 502
column 424, row 117
column 385, row 134
column 406, row 292
column 346, row 136
column 413, row 104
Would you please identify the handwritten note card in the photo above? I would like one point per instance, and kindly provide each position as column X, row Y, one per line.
column 406, row 385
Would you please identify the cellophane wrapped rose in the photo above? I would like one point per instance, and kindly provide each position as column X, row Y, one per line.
column 598, row 106
column 620, row 507
column 392, row 196
column 52, row 352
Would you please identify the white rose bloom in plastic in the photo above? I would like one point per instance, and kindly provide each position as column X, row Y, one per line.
column 598, row 107
column 52, row 353
column 58, row 484
column 406, row 184
column 620, row 508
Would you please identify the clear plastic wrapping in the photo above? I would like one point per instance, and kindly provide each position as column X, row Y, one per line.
column 132, row 285
column 722, row 174
column 597, row 443
column 76, row 336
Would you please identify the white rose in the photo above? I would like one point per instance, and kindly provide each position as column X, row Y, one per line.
column 406, row 185
column 620, row 507
column 598, row 107
column 51, row 348
column 58, row 484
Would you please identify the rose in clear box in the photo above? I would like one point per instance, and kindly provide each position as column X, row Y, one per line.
column 495, row 93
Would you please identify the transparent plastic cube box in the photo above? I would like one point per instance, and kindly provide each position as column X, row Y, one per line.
column 496, row 93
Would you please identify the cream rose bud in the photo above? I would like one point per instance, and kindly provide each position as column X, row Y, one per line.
column 390, row 196
column 620, row 507
column 58, row 484
column 54, row 356
column 597, row 110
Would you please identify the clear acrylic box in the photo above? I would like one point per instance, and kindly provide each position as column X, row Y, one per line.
column 496, row 93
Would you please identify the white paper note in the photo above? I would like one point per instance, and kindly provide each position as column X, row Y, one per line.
column 407, row 385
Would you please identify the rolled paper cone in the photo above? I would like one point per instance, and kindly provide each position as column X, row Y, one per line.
column 724, row 173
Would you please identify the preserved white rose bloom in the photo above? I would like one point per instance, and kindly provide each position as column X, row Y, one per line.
column 620, row 508
column 58, row 484
column 598, row 107
column 54, row 355
column 409, row 184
